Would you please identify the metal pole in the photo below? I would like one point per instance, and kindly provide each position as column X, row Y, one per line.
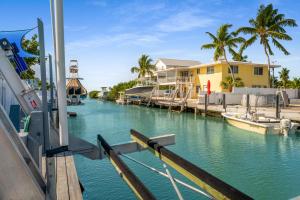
column 61, row 74
column 44, row 84
column 52, row 11
column 51, row 85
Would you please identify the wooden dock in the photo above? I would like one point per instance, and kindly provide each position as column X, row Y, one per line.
column 65, row 179
column 292, row 112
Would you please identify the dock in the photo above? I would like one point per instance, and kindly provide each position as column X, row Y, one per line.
column 292, row 111
column 64, row 179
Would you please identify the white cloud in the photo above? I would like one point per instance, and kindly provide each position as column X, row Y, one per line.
column 184, row 21
column 117, row 39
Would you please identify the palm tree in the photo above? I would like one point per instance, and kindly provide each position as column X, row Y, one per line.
column 284, row 77
column 296, row 83
column 229, row 83
column 238, row 56
column 268, row 25
column 145, row 67
column 222, row 41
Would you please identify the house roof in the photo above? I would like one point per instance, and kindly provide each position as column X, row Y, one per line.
column 178, row 63
column 233, row 63
column 218, row 62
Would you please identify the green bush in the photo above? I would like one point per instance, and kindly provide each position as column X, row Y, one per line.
column 93, row 94
column 120, row 87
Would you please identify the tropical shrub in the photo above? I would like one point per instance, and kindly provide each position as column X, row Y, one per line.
column 113, row 94
column 94, row 94
column 229, row 83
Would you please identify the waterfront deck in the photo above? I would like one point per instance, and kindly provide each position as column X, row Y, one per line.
column 292, row 112
column 64, row 179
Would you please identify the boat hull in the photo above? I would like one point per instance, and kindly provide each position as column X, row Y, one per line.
column 261, row 128
column 247, row 127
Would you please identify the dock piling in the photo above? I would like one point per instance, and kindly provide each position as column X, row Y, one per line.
column 205, row 104
column 248, row 103
column 224, row 101
column 277, row 114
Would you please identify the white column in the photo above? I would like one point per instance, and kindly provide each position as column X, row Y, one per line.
column 61, row 73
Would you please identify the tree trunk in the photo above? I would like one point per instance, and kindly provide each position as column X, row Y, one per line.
column 269, row 66
column 232, row 75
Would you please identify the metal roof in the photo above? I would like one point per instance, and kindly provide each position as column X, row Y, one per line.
column 178, row 63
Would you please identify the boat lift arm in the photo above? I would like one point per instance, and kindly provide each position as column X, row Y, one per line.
column 214, row 186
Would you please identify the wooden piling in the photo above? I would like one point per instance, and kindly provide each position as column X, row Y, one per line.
column 277, row 114
column 224, row 102
column 205, row 104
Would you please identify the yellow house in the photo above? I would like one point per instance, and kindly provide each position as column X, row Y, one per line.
column 252, row 75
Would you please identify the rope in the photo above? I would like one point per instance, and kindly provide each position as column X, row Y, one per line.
column 173, row 183
column 166, row 176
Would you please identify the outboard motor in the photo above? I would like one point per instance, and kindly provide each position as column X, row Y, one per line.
column 285, row 126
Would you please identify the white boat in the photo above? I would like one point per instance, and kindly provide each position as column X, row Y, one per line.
column 260, row 124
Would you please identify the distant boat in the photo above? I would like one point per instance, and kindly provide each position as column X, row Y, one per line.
column 75, row 90
column 258, row 123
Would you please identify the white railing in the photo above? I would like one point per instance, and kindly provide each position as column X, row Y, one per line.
column 180, row 79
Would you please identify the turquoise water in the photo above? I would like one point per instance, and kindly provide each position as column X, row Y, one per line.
column 264, row 167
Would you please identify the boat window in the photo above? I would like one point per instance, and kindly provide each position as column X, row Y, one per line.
column 210, row 70
column 234, row 69
column 198, row 71
column 258, row 71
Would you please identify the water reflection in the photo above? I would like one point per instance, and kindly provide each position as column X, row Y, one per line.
column 263, row 166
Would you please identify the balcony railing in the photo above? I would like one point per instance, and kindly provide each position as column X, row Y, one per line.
column 178, row 79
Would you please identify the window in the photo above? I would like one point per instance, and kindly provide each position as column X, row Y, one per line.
column 210, row 70
column 198, row 71
column 234, row 68
column 256, row 86
column 185, row 73
column 258, row 71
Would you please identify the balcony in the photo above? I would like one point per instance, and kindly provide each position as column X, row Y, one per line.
column 174, row 80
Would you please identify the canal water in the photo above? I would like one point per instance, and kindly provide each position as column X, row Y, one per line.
column 264, row 167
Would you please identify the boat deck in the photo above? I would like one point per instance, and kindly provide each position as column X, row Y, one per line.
column 65, row 179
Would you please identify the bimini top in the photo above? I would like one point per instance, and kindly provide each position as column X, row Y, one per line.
column 75, row 84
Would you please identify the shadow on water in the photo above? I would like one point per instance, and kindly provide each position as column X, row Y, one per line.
column 264, row 167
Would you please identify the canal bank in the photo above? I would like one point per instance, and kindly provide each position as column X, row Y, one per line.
column 249, row 162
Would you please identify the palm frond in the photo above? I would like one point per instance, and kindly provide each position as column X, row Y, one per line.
column 212, row 36
column 208, row 46
column 246, row 30
column 281, row 36
column 280, row 47
column 134, row 70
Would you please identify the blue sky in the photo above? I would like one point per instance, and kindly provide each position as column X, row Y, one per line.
column 108, row 36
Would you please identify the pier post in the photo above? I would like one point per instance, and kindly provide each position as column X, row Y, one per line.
column 61, row 73
column 44, row 83
column 248, row 103
column 224, row 102
column 277, row 114
column 205, row 104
